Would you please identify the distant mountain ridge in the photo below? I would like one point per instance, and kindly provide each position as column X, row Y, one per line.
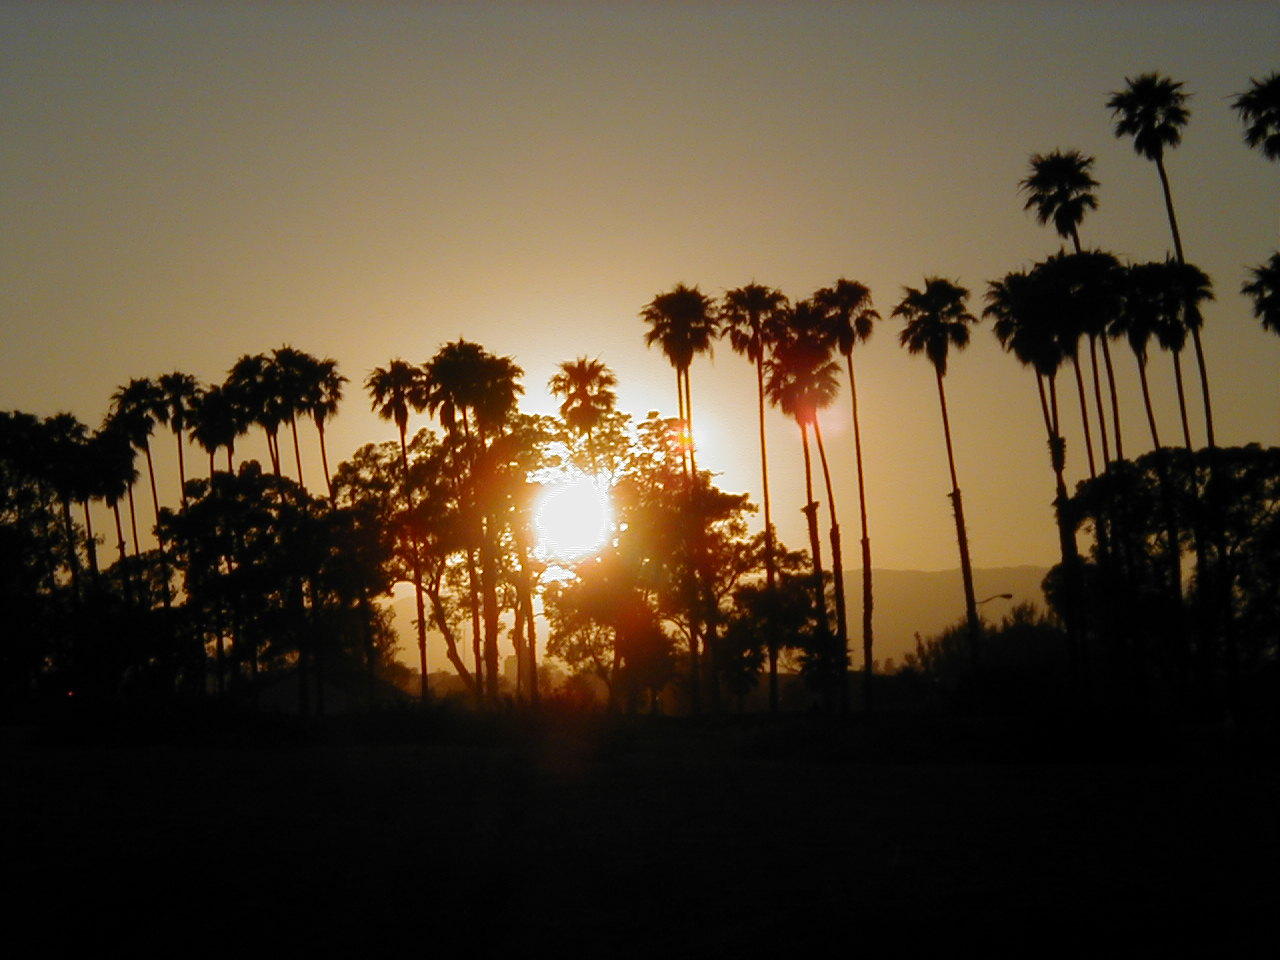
column 907, row 602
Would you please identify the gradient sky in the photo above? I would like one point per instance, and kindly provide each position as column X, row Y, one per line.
column 184, row 183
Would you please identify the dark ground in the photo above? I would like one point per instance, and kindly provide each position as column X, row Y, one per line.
column 659, row 838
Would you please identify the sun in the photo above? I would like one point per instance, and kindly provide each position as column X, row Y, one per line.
column 573, row 518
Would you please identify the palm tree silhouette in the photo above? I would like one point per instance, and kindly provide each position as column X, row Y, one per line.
column 61, row 441
column 322, row 392
column 292, row 373
column 750, row 317
column 1264, row 290
column 1144, row 311
column 133, row 409
column 117, row 472
column 1026, row 310
column 1186, row 287
column 587, row 389
column 1259, row 109
column 178, row 394
column 801, row 378
column 252, row 380
column 395, row 389
column 216, row 419
column 1152, row 109
column 851, row 319
column 937, row 320
column 1060, row 189
column 682, row 322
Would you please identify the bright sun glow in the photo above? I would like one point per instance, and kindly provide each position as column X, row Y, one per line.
column 573, row 518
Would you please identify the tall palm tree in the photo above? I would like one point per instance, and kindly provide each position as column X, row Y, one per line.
column 396, row 389
column 587, row 389
column 851, row 318
column 133, row 410
column 178, row 395
column 801, row 379
column 62, row 440
column 252, row 381
column 1152, row 109
column 1060, row 188
column 682, row 322
column 464, row 381
column 750, row 317
column 1265, row 293
column 215, row 422
column 1143, row 313
column 1186, row 287
column 1259, row 109
column 1025, row 307
column 292, row 375
column 321, row 396
column 115, row 462
column 937, row 320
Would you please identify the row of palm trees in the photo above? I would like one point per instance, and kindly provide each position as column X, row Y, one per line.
column 1040, row 315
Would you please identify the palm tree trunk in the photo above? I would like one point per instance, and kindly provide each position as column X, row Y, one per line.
column 1097, row 398
column 231, row 449
column 840, row 646
column 73, row 557
column 868, row 663
column 1084, row 416
column 415, row 566
column 1168, row 206
column 1115, row 399
column 90, row 544
column 133, row 519
column 1146, row 401
column 691, row 545
column 962, row 536
column 770, row 566
column 1066, row 536
column 324, row 459
column 120, row 544
column 810, row 511
column 1182, row 400
column 273, row 449
column 1204, row 388
column 297, row 450
column 473, row 590
column 182, row 469
column 165, row 596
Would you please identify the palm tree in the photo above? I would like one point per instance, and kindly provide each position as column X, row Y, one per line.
column 1265, row 293
column 750, row 316
column 395, row 390
column 1185, row 288
column 587, row 389
column 1060, row 189
column 117, row 474
column 1259, row 109
column 682, row 322
column 178, row 395
column 464, row 381
column 1025, row 307
column 1152, row 109
column 133, row 411
column 292, row 375
column 801, row 379
column 1143, row 312
column 62, row 440
column 321, row 396
column 252, row 381
column 215, row 421
column 937, row 320
column 851, row 318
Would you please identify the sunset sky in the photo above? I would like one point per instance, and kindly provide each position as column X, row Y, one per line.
column 184, row 183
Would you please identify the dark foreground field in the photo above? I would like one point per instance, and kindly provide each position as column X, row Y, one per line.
column 664, row 838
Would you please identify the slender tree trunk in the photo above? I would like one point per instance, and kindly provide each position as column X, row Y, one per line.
column 165, row 596
column 1182, row 400
column 810, row 511
column 841, row 643
column 1115, row 399
column 120, row 544
column 415, row 565
column 1146, row 401
column 473, row 591
column 231, row 450
column 1066, row 536
column 962, row 536
column 73, row 557
column 182, row 469
column 297, row 450
column 90, row 542
column 770, row 564
column 273, row 450
column 489, row 585
column 691, row 545
column 133, row 518
column 212, row 467
column 1097, row 398
column 868, row 663
column 324, row 460
column 1084, row 416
